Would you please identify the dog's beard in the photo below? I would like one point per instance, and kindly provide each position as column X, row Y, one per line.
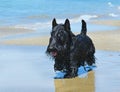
column 52, row 53
column 60, row 51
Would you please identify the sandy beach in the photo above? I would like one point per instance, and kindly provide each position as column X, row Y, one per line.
column 28, row 69
column 25, row 27
column 6, row 31
column 103, row 40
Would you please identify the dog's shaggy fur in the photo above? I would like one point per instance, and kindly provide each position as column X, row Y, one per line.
column 82, row 51
column 68, row 50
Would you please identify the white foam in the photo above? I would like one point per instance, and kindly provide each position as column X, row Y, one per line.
column 85, row 17
column 113, row 15
column 38, row 25
column 88, row 17
column 34, row 26
column 110, row 4
column 42, row 25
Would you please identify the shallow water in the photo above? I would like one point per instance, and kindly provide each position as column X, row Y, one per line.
column 37, row 15
column 28, row 69
column 76, row 28
column 25, row 69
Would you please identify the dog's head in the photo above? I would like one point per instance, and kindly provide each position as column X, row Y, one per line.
column 60, row 39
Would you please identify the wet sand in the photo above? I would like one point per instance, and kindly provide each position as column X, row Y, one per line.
column 107, row 22
column 6, row 31
column 86, row 84
column 105, row 40
column 26, row 68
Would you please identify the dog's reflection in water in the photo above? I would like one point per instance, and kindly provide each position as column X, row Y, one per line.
column 86, row 84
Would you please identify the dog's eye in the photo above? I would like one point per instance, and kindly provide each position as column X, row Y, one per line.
column 62, row 39
column 60, row 34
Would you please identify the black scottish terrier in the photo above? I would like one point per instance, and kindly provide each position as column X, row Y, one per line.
column 68, row 50
column 59, row 45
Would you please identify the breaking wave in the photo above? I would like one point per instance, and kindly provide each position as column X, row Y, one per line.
column 113, row 15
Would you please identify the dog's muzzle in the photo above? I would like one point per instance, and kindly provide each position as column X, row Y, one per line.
column 52, row 51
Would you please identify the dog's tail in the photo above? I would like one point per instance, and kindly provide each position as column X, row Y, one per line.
column 84, row 28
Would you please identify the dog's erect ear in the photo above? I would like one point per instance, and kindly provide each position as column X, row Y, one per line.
column 67, row 25
column 54, row 23
column 84, row 28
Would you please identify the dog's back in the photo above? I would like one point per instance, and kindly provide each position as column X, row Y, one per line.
column 82, row 51
column 85, row 46
column 83, row 38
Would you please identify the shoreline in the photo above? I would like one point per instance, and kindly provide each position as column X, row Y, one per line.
column 7, row 31
column 103, row 40
column 107, row 22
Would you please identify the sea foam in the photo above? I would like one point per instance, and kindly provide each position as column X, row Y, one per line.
column 110, row 4
column 113, row 15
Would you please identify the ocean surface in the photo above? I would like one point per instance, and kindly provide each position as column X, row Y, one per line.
column 37, row 14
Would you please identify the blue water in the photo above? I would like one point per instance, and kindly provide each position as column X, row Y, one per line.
column 15, row 12
column 38, row 14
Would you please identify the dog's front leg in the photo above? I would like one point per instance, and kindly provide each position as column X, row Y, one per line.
column 73, row 71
